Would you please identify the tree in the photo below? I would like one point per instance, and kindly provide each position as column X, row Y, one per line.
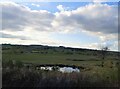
column 104, row 52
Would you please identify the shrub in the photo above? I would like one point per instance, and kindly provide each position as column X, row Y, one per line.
column 18, row 64
column 7, row 63
column 33, row 78
column 109, row 64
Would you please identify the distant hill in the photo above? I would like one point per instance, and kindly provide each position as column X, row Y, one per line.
column 33, row 48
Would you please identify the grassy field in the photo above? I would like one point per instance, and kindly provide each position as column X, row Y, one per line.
column 36, row 58
column 95, row 66
column 50, row 58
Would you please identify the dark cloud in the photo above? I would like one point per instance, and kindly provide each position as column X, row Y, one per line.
column 4, row 35
column 95, row 18
column 16, row 18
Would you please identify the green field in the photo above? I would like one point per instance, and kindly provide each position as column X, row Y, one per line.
column 91, row 60
column 50, row 58
column 53, row 55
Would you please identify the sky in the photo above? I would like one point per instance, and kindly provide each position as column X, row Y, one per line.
column 71, row 24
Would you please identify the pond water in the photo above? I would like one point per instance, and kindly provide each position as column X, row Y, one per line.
column 69, row 69
column 61, row 69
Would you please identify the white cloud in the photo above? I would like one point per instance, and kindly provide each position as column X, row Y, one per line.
column 63, row 8
column 99, row 1
column 93, row 17
column 60, row 7
column 16, row 17
column 37, row 5
column 96, row 19
column 107, row 37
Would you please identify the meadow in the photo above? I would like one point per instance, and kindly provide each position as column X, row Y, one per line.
column 96, row 72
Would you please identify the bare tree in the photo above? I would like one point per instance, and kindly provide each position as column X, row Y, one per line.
column 104, row 52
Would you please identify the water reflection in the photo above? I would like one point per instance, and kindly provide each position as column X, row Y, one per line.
column 68, row 69
column 61, row 69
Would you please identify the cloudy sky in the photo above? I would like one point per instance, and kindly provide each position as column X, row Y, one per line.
column 72, row 24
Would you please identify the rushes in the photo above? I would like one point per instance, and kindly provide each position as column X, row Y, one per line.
column 23, row 77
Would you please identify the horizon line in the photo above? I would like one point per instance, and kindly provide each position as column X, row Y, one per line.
column 60, row 46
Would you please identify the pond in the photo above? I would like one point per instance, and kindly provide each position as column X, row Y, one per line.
column 69, row 69
column 61, row 69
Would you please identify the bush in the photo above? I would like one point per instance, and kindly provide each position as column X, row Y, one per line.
column 7, row 63
column 33, row 78
column 109, row 64
column 18, row 64
column 12, row 64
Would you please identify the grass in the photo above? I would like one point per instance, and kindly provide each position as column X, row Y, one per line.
column 94, row 74
column 23, row 77
column 35, row 58
column 49, row 58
